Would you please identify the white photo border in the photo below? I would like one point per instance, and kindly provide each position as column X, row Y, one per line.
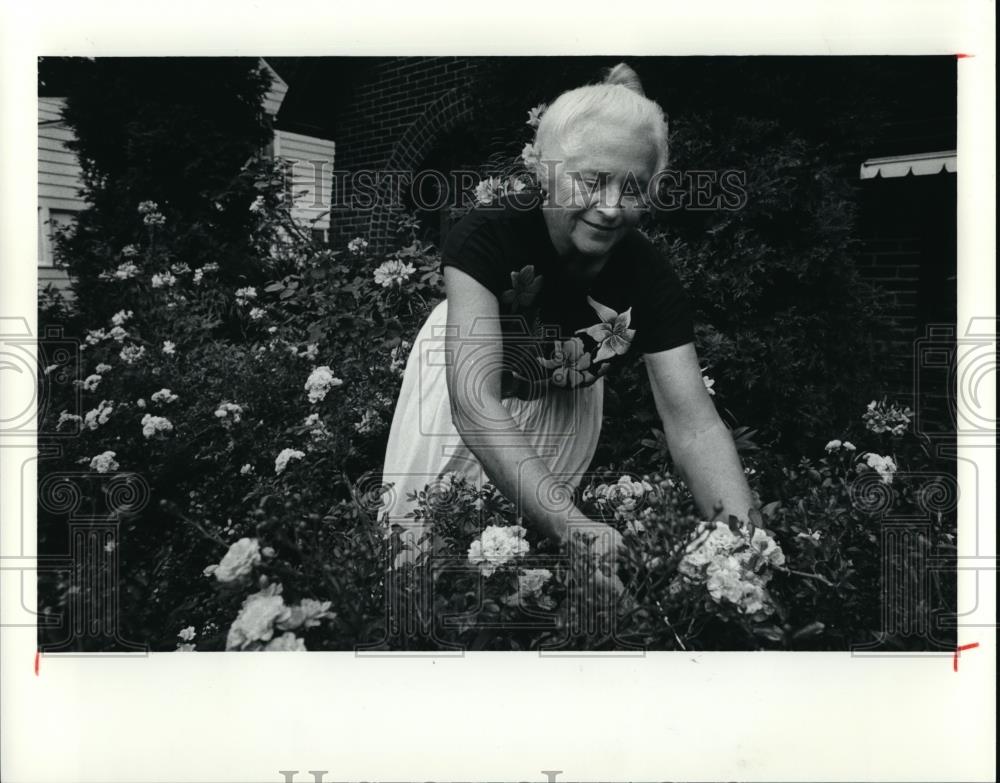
column 508, row 716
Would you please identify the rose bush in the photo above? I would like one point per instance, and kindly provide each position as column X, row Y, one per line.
column 251, row 414
column 808, row 571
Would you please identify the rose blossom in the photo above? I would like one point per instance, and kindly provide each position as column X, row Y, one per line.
column 104, row 462
column 255, row 622
column 281, row 461
column 319, row 382
column 497, row 546
column 238, row 562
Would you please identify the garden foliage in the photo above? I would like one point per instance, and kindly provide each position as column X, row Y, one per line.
column 244, row 389
column 259, row 455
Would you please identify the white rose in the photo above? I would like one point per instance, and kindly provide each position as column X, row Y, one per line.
column 287, row 642
column 767, row 548
column 319, row 382
column 530, row 586
column 91, row 382
column 307, row 614
column 163, row 395
column 497, row 546
column 104, row 463
column 154, row 424
column 239, row 561
column 255, row 622
column 884, row 466
column 281, row 461
column 724, row 580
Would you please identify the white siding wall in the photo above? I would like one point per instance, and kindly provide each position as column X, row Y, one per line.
column 59, row 176
column 312, row 176
column 58, row 186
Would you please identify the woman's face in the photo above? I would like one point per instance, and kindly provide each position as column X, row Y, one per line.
column 596, row 187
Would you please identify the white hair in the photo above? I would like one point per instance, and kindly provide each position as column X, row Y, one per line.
column 619, row 98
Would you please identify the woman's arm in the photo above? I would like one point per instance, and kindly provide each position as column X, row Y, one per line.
column 473, row 367
column 699, row 442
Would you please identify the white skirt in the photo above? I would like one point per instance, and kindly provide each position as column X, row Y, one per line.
column 562, row 426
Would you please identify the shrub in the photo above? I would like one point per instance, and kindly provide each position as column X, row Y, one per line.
column 198, row 386
column 261, row 455
column 251, row 398
column 179, row 132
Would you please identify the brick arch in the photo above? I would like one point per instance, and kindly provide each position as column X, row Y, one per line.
column 441, row 115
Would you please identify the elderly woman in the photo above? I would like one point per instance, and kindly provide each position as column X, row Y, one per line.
column 546, row 292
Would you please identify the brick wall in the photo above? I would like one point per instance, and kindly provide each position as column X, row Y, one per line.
column 891, row 261
column 908, row 249
column 393, row 115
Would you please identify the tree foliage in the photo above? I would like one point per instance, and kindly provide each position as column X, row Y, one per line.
column 175, row 131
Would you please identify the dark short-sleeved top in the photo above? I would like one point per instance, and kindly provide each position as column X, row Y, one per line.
column 558, row 331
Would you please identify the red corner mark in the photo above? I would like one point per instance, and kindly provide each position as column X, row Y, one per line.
column 958, row 651
column 960, row 56
column 38, row 654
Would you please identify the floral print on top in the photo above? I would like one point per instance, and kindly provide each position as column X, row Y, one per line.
column 560, row 332
column 612, row 335
column 525, row 287
column 570, row 362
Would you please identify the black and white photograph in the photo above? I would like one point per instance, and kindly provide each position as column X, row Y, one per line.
column 497, row 353
column 583, row 394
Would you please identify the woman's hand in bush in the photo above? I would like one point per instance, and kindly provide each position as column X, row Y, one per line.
column 595, row 551
column 599, row 538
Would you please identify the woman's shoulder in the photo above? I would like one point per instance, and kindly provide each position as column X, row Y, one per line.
column 505, row 227
column 491, row 240
column 507, row 214
column 646, row 257
column 663, row 316
column 638, row 245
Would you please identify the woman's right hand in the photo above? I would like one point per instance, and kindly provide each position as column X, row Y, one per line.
column 596, row 548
